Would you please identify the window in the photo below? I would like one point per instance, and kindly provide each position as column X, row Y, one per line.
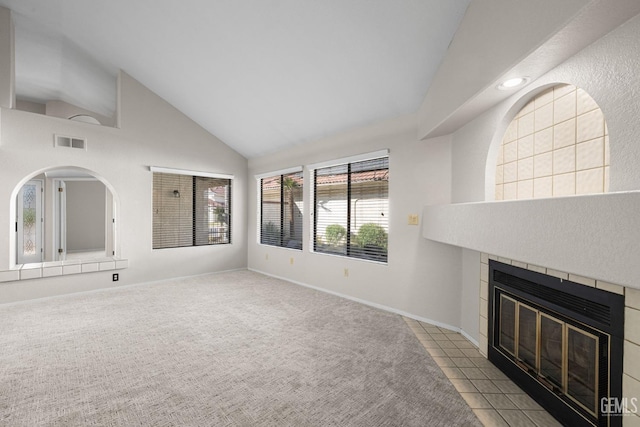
column 281, row 210
column 351, row 207
column 190, row 210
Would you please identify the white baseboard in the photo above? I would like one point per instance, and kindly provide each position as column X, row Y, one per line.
column 373, row 304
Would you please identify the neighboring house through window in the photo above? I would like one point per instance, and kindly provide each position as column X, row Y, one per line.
column 281, row 207
column 190, row 210
column 351, row 208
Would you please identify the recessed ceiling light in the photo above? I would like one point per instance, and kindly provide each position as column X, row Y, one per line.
column 513, row 83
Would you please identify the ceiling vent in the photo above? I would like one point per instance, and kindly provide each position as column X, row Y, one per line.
column 70, row 142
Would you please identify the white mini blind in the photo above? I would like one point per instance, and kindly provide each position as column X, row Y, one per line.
column 351, row 209
column 190, row 210
column 281, row 210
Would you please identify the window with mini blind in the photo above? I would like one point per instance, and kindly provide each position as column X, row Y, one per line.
column 351, row 209
column 190, row 210
column 281, row 207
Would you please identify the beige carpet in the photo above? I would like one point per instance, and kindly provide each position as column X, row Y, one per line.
column 229, row 349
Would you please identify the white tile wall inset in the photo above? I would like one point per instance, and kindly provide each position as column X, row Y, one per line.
column 537, row 268
column 582, row 280
column 632, row 325
column 510, row 191
column 544, row 98
column 564, row 160
column 510, row 172
column 525, row 168
column 525, row 125
column 543, row 117
column 512, row 132
column 72, row 269
column 51, row 271
column 585, row 102
column 610, row 287
column 590, row 181
column 564, row 185
column 525, row 189
column 632, row 298
column 590, row 126
column 543, row 141
column 484, row 308
column 559, row 118
column 90, row 267
column 30, row 273
column 561, row 90
column 543, row 165
column 564, row 107
column 543, row 187
column 631, row 352
column 564, row 134
column 558, row 274
column 525, row 146
column 122, row 263
column 108, row 265
column 590, row 154
column 499, row 174
column 511, row 151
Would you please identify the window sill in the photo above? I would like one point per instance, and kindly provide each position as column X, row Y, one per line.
column 61, row 268
column 349, row 258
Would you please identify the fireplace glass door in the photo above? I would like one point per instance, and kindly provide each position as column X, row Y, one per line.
column 582, row 367
column 560, row 355
column 551, row 351
column 527, row 335
column 508, row 324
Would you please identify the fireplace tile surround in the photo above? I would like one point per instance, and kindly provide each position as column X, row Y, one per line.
column 631, row 360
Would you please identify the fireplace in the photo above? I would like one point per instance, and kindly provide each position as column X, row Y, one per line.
column 561, row 342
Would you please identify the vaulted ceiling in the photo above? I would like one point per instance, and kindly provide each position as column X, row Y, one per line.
column 263, row 75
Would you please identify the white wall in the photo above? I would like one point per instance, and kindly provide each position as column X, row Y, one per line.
column 152, row 132
column 470, row 309
column 608, row 71
column 422, row 277
column 7, row 56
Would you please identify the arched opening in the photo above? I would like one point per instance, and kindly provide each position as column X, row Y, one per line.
column 62, row 214
column 556, row 145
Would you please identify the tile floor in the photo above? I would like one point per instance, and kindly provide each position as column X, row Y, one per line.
column 494, row 398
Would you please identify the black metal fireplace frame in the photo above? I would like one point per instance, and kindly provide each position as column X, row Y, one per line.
column 593, row 307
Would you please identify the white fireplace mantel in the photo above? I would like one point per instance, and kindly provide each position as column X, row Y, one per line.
column 595, row 236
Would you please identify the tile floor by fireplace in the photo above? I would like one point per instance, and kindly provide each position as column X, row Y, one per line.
column 494, row 398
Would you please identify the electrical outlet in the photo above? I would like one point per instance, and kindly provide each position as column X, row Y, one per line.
column 266, row 257
column 291, row 260
column 413, row 219
column 346, row 272
column 115, row 277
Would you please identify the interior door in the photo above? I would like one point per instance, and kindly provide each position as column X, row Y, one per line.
column 29, row 220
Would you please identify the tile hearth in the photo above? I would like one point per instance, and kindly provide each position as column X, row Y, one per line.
column 493, row 397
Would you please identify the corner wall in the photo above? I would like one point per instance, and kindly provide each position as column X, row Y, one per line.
column 422, row 278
